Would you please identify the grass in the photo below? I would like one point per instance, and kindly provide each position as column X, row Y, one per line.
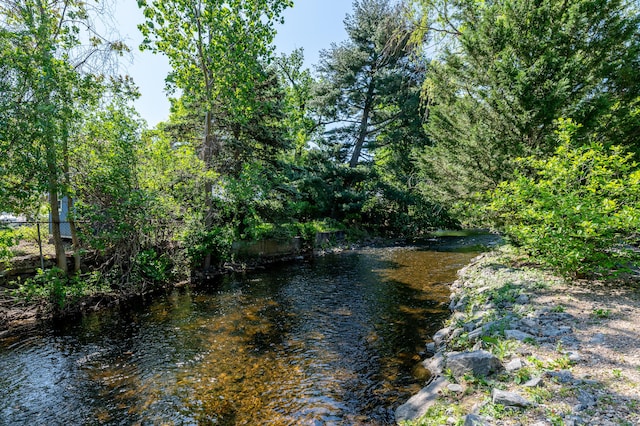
column 602, row 313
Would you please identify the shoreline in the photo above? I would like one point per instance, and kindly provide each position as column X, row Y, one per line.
column 523, row 346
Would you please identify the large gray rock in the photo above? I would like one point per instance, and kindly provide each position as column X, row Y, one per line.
column 479, row 363
column 435, row 364
column 509, row 399
column 474, row 420
column 419, row 403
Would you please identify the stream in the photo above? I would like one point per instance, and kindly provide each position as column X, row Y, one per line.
column 329, row 340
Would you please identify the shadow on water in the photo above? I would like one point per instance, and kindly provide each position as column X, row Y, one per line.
column 330, row 340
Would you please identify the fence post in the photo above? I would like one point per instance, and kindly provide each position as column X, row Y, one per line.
column 40, row 246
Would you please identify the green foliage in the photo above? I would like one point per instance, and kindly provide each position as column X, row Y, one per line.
column 439, row 414
column 27, row 233
column 47, row 80
column 152, row 266
column 579, row 211
column 201, row 242
column 55, row 287
column 8, row 239
column 369, row 85
column 506, row 70
column 601, row 313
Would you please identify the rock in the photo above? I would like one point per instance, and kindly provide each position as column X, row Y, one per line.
column 476, row 334
column 529, row 323
column 551, row 331
column 533, row 383
column 481, row 331
column 434, row 364
column 517, row 335
column 458, row 317
column 573, row 420
column 456, row 333
column 469, row 326
column 574, row 356
column 514, row 365
column 431, row 348
column 509, row 399
column 586, row 399
column 455, row 388
column 479, row 363
column 523, row 299
column 419, row 403
column 563, row 376
column 462, row 304
column 474, row 420
column 578, row 407
column 452, row 304
column 441, row 335
column 597, row 339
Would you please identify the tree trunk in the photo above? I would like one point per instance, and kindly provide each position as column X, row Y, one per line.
column 207, row 156
column 61, row 256
column 364, row 124
column 72, row 224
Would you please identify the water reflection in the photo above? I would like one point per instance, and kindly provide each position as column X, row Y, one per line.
column 329, row 341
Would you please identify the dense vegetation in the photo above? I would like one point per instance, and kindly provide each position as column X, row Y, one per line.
column 515, row 114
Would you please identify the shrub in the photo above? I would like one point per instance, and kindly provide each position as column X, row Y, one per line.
column 577, row 211
column 217, row 242
column 7, row 240
column 57, row 289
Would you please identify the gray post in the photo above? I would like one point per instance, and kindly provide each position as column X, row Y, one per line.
column 40, row 246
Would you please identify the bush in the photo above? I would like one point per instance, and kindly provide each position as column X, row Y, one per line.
column 151, row 266
column 7, row 240
column 578, row 211
column 54, row 287
column 29, row 234
column 216, row 242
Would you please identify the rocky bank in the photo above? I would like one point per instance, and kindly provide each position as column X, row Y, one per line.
column 524, row 347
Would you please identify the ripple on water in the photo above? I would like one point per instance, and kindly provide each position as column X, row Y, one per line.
column 334, row 340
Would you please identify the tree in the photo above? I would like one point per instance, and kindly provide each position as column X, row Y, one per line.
column 298, row 85
column 116, row 213
column 506, row 70
column 216, row 51
column 364, row 81
column 578, row 212
column 47, row 50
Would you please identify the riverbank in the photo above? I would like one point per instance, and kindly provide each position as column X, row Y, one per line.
column 18, row 314
column 524, row 347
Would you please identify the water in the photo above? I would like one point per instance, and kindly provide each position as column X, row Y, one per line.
column 333, row 340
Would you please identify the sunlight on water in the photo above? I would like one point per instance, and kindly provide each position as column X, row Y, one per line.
column 333, row 340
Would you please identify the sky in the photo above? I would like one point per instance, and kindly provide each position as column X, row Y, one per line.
column 310, row 24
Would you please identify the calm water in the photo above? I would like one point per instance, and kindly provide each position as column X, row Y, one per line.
column 332, row 340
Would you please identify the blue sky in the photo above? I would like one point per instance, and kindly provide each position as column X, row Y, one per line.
column 310, row 24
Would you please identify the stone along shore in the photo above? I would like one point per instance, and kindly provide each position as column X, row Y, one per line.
column 524, row 347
